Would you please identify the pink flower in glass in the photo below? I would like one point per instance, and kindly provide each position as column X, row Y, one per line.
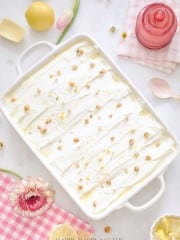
column 64, row 20
column 31, row 197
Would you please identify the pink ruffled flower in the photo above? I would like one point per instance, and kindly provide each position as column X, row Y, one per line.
column 31, row 197
column 64, row 20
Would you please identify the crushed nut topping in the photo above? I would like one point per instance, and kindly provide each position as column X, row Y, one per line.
column 102, row 71
column 92, row 65
column 26, row 108
column 76, row 140
column 126, row 118
column 62, row 115
column 69, row 110
column 136, row 155
column 1, row 145
column 86, row 121
column 131, row 141
column 146, row 135
column 51, row 76
column 124, row 35
column 91, row 116
column 158, row 144
column 94, row 204
column 99, row 129
column 126, row 171
column 107, row 229
column 113, row 29
column 133, row 131
column 110, row 115
column 76, row 89
column 48, row 120
column 38, row 91
column 43, row 130
column 79, row 52
column 58, row 72
column 119, row 105
column 112, row 139
column 100, row 159
column 98, row 107
column 136, row 169
column 108, row 182
column 74, row 67
column 88, row 86
column 80, row 187
column 59, row 148
column 72, row 84
column 13, row 99
column 148, row 158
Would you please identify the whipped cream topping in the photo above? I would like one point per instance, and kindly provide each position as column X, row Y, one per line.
column 90, row 126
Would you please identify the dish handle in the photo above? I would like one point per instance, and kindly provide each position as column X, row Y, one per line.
column 34, row 52
column 150, row 202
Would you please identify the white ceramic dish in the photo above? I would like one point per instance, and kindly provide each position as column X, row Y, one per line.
column 123, row 201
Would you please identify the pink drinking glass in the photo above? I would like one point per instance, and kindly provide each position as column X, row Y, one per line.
column 156, row 25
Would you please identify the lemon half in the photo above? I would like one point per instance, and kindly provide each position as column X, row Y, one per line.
column 40, row 16
column 63, row 232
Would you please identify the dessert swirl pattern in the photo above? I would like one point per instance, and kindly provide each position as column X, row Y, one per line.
column 93, row 130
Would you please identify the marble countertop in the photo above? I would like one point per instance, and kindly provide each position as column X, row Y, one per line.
column 95, row 18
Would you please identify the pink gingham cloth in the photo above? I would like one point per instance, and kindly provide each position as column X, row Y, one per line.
column 15, row 227
column 164, row 59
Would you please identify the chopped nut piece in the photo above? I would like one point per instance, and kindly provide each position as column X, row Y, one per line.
column 79, row 52
column 102, row 71
column 107, row 229
column 58, row 72
column 92, row 65
column 72, row 84
column 113, row 29
column 80, row 180
column 49, row 120
column 43, row 130
column 86, row 121
column 146, row 135
column 76, row 140
column 112, row 139
column 38, row 91
column 26, row 108
column 136, row 155
column 1, row 145
column 13, row 99
column 88, row 86
column 98, row 107
column 110, row 115
column 148, row 158
column 94, row 204
column 59, row 148
column 62, row 115
column 100, row 159
column 133, row 131
column 97, row 93
column 126, row 118
column 158, row 144
column 136, row 169
column 108, row 182
column 80, row 187
column 124, row 35
column 77, row 165
column 91, row 116
column 76, row 89
column 51, row 76
column 57, row 98
column 119, row 105
column 69, row 110
column 99, row 129
column 74, row 67
column 131, row 142
column 126, row 171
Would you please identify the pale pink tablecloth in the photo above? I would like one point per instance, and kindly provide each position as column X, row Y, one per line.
column 15, row 227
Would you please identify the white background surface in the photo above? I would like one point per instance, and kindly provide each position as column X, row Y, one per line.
column 95, row 18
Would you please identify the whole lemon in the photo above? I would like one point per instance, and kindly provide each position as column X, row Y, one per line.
column 40, row 16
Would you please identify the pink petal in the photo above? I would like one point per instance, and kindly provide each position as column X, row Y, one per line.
column 64, row 20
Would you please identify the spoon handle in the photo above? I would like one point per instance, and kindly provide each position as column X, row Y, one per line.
column 177, row 97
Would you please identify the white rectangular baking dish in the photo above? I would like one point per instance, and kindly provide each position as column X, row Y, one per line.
column 123, row 201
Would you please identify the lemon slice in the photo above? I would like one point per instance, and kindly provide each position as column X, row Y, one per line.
column 63, row 232
column 11, row 31
column 83, row 235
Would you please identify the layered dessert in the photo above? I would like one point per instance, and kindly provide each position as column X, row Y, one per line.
column 92, row 129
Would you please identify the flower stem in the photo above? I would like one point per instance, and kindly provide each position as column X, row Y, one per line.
column 10, row 172
column 75, row 9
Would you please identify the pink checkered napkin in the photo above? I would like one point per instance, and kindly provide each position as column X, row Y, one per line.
column 164, row 59
column 15, row 227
